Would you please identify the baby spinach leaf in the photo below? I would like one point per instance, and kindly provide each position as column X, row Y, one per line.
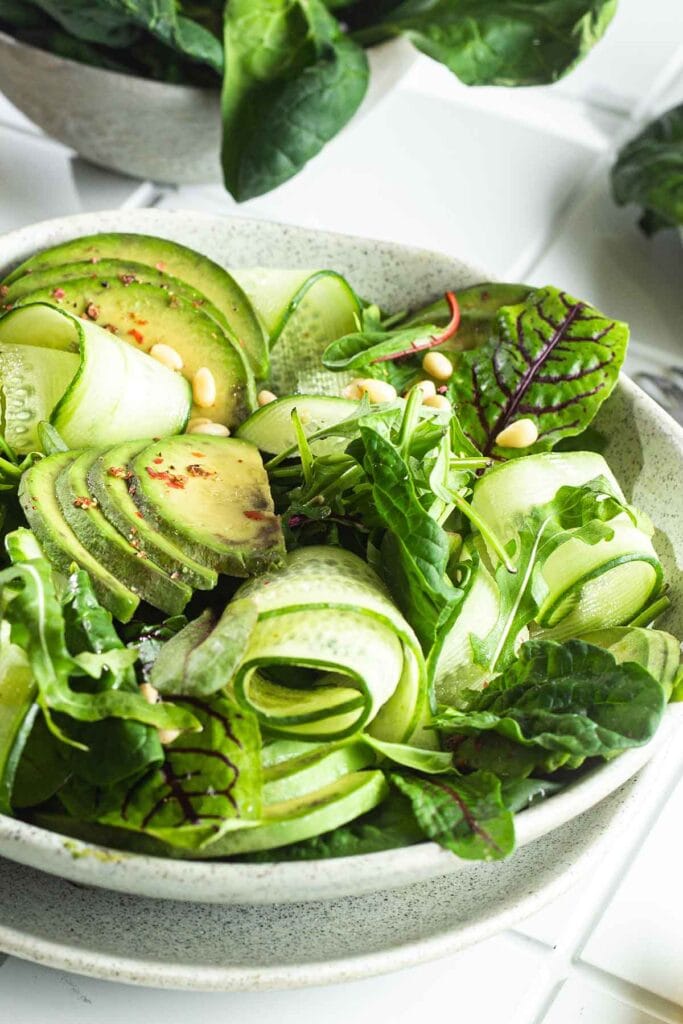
column 43, row 768
column 207, row 782
column 494, row 42
column 552, row 359
column 292, row 80
column 573, row 699
column 521, row 793
column 649, row 172
column 465, row 814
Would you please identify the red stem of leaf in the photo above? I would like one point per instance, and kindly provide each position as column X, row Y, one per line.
column 435, row 339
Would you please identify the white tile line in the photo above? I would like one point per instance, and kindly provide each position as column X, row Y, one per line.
column 630, row 993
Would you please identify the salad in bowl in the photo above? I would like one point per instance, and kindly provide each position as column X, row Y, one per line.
column 288, row 575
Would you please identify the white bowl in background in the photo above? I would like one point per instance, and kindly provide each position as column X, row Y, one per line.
column 147, row 129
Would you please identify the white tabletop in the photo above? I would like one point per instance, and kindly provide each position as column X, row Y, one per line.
column 515, row 180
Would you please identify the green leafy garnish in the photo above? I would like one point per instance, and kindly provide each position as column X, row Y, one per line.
column 649, row 173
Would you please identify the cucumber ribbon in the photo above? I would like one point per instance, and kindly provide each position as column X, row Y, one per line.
column 330, row 654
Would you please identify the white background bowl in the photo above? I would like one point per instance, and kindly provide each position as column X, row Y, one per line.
column 645, row 449
column 147, row 129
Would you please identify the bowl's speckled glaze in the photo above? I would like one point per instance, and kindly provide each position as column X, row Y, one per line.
column 645, row 449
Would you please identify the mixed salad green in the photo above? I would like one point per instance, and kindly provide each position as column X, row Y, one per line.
column 649, row 172
column 402, row 601
column 293, row 72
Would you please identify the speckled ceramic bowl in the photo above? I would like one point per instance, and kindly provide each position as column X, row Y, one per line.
column 645, row 450
column 169, row 133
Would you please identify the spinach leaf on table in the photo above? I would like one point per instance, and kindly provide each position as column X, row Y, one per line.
column 552, row 359
column 562, row 703
column 292, row 81
column 649, row 172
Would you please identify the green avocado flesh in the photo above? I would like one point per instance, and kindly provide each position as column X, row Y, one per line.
column 145, row 315
column 108, row 484
column 211, row 496
column 128, row 561
column 58, row 541
column 170, row 258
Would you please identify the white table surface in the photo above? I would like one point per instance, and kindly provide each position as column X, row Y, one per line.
column 515, row 180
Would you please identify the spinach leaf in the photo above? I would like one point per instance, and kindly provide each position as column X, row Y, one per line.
column 573, row 700
column 649, row 172
column 206, row 784
column 292, row 81
column 494, row 42
column 43, row 768
column 201, row 659
column 552, row 358
column 521, row 793
column 465, row 814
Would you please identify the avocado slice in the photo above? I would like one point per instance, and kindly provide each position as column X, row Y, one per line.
column 302, row 817
column 58, row 541
column 145, row 315
column 192, row 267
column 127, row 271
column 127, row 561
column 108, row 483
column 211, row 496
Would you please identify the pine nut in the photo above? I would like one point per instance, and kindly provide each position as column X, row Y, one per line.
column 203, row 426
column 149, row 692
column 437, row 365
column 204, row 388
column 377, row 390
column 427, row 387
column 167, row 355
column 353, row 390
column 438, row 402
column 520, row 434
column 265, row 397
column 167, row 736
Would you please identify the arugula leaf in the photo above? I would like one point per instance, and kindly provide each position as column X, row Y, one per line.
column 552, row 358
column 207, row 783
column 31, row 607
column 201, row 659
column 649, row 172
column 493, row 42
column 465, row 814
column 573, row 700
column 292, row 81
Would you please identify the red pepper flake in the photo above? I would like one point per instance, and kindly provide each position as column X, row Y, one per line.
column 92, row 311
column 139, row 515
column 160, row 265
column 442, row 390
column 176, row 480
column 253, row 513
column 119, row 471
column 198, row 455
column 136, row 334
column 85, row 502
column 127, row 279
column 194, row 469
column 157, row 461
column 58, row 293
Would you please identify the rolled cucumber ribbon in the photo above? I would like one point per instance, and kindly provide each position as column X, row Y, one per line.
column 587, row 585
column 330, row 653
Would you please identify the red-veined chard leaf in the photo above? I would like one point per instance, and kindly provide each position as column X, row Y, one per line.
column 208, row 782
column 465, row 814
column 552, row 359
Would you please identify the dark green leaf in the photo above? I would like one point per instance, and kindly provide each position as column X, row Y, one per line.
column 649, row 172
column 573, row 699
column 292, row 81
